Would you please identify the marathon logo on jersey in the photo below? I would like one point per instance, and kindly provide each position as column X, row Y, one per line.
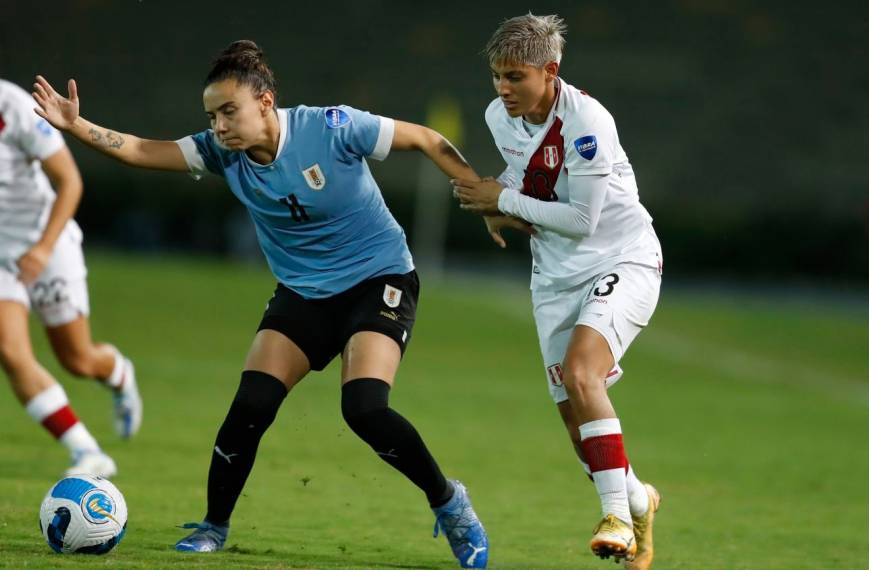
column 391, row 296
column 336, row 118
column 550, row 156
column 314, row 177
column 586, row 146
column 556, row 376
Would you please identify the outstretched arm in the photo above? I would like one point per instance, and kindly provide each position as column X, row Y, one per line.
column 63, row 113
column 409, row 136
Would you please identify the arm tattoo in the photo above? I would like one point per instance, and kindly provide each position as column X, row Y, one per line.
column 111, row 139
column 114, row 140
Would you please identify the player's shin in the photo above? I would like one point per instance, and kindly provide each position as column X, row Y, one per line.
column 603, row 448
column 253, row 410
column 365, row 406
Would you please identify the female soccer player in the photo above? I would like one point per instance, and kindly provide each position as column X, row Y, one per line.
column 346, row 281
column 42, row 267
column 597, row 260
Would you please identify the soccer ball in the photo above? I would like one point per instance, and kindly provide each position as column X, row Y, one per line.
column 83, row 514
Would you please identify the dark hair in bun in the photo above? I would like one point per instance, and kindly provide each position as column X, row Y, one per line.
column 243, row 61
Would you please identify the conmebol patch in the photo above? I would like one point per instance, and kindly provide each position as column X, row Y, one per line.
column 586, row 146
column 336, row 118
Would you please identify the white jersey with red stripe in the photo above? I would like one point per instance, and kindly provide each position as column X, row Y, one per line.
column 578, row 138
column 26, row 195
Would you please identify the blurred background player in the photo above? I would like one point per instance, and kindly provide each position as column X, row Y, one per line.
column 42, row 267
column 346, row 279
column 597, row 261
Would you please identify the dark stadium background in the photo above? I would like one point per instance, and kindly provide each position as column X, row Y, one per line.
column 746, row 121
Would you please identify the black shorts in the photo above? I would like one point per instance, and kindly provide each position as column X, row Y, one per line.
column 322, row 327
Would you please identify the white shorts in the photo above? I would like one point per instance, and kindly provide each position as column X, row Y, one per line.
column 59, row 295
column 618, row 303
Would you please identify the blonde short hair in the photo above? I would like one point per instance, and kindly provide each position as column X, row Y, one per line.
column 527, row 40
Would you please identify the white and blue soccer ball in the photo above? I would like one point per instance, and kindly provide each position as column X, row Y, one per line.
column 83, row 514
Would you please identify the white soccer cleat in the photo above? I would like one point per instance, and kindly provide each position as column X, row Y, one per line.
column 128, row 404
column 93, row 462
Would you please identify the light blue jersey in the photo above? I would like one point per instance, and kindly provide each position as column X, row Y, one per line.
column 319, row 215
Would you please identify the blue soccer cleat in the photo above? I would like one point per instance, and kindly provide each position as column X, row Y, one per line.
column 464, row 531
column 206, row 538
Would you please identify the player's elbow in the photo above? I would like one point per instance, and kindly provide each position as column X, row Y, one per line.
column 591, row 225
column 70, row 184
column 132, row 157
column 583, row 226
column 431, row 142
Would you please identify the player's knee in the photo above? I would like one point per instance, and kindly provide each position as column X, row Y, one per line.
column 582, row 380
column 14, row 359
column 259, row 397
column 361, row 399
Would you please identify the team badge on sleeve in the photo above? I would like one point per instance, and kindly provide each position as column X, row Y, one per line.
column 586, row 146
column 391, row 296
column 314, row 177
column 336, row 118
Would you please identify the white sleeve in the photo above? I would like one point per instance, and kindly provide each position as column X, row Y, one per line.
column 577, row 219
column 510, row 178
column 384, row 139
column 590, row 141
column 37, row 139
column 192, row 156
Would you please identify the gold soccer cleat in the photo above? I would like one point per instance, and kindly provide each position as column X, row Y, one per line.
column 613, row 537
column 643, row 533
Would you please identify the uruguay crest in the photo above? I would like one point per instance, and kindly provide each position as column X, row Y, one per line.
column 314, row 177
column 550, row 156
column 391, row 296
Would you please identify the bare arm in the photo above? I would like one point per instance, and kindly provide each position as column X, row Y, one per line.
column 63, row 113
column 66, row 180
column 409, row 136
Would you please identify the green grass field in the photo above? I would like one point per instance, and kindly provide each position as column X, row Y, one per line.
column 749, row 416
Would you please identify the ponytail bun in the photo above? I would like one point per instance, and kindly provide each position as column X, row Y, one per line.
column 242, row 49
column 244, row 61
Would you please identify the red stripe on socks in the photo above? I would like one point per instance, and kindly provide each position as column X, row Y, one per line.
column 60, row 421
column 605, row 452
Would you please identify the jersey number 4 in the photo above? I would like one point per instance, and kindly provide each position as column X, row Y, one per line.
column 296, row 210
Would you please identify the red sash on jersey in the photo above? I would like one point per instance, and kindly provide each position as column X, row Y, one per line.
column 545, row 165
